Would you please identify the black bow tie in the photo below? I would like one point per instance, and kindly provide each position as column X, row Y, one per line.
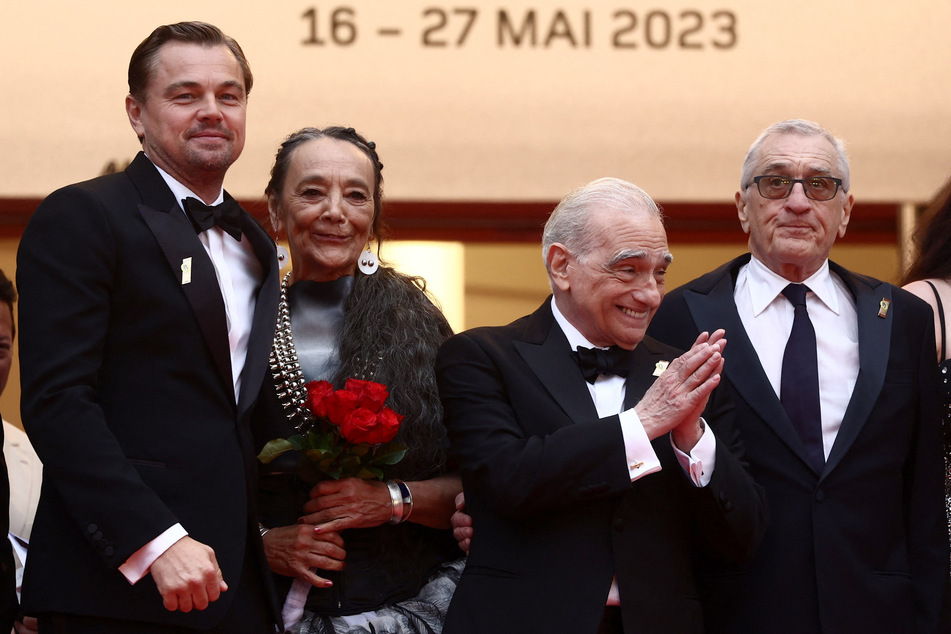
column 227, row 215
column 595, row 361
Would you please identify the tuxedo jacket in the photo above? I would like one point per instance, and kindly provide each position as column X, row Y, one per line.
column 859, row 546
column 555, row 513
column 127, row 394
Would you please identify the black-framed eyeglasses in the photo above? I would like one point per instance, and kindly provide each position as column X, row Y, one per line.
column 815, row 187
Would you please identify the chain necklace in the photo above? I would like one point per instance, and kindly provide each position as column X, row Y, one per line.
column 285, row 367
column 286, row 370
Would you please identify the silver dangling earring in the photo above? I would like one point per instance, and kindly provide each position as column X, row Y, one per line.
column 368, row 262
column 283, row 255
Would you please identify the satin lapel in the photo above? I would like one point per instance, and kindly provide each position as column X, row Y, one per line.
column 179, row 243
column 556, row 367
column 265, row 313
column 874, row 344
column 717, row 309
column 641, row 374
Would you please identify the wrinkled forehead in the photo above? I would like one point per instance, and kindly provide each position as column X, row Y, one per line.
column 632, row 232
column 191, row 62
column 788, row 153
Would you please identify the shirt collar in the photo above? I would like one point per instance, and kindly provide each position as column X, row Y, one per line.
column 765, row 286
column 574, row 336
column 180, row 191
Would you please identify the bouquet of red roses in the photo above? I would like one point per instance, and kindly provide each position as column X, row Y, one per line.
column 351, row 435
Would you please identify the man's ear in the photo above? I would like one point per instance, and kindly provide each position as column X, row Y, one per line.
column 134, row 109
column 741, row 205
column 846, row 214
column 557, row 262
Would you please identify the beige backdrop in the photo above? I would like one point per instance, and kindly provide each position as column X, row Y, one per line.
column 490, row 119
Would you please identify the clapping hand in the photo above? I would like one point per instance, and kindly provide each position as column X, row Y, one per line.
column 676, row 399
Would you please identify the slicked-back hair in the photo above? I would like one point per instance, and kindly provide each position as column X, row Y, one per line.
column 800, row 127
column 145, row 56
column 570, row 222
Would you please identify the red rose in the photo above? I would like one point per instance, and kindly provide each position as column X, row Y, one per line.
column 369, row 394
column 362, row 426
column 391, row 421
column 317, row 391
column 339, row 405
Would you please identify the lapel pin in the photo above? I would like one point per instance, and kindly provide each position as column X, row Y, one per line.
column 883, row 307
column 186, row 271
column 660, row 367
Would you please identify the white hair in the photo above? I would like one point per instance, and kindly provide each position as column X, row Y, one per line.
column 569, row 224
column 802, row 128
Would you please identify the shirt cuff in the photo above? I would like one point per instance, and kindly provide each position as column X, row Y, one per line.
column 641, row 459
column 701, row 460
column 136, row 566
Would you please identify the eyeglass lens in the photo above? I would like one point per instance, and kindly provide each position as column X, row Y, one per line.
column 816, row 187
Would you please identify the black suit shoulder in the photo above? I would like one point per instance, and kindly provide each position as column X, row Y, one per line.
column 80, row 201
column 513, row 330
column 91, row 208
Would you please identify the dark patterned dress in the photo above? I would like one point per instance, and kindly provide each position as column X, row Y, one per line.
column 398, row 579
column 945, row 369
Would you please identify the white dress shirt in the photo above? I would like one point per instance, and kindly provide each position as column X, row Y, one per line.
column 239, row 275
column 768, row 317
column 26, row 475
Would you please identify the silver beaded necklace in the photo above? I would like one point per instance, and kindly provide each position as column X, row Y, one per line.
column 285, row 367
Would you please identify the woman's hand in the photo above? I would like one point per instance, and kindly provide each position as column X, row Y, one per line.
column 294, row 551
column 462, row 524
column 336, row 505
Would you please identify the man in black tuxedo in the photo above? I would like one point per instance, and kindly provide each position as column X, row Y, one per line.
column 591, row 493
column 145, row 331
column 856, row 540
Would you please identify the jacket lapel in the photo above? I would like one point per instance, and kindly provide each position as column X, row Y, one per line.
column 642, row 372
column 874, row 334
column 265, row 313
column 183, row 250
column 192, row 267
column 545, row 349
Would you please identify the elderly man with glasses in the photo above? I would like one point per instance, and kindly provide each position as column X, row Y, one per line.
column 835, row 386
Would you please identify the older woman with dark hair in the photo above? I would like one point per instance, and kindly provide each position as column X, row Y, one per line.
column 374, row 565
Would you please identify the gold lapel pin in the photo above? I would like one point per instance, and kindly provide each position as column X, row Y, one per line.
column 660, row 367
column 883, row 307
column 186, row 271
